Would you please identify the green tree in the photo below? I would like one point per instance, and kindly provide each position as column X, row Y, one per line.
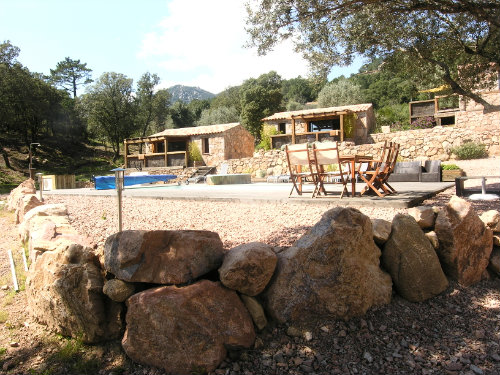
column 219, row 115
column 181, row 115
column 69, row 74
column 341, row 91
column 228, row 98
column 197, row 106
column 152, row 106
column 453, row 40
column 109, row 109
column 260, row 97
column 301, row 90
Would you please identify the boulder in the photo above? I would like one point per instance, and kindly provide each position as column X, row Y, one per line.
column 465, row 243
column 64, row 292
column 50, row 233
column 423, row 215
column 118, row 290
column 248, row 268
column 433, row 238
column 330, row 272
column 186, row 330
column 43, row 211
column 496, row 240
column 491, row 219
column 412, row 262
column 25, row 204
column 25, row 188
column 256, row 311
column 494, row 265
column 162, row 256
column 381, row 230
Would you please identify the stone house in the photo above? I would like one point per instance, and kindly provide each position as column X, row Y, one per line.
column 170, row 148
column 351, row 122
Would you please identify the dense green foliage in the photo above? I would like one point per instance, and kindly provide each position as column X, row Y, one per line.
column 449, row 41
column 340, row 92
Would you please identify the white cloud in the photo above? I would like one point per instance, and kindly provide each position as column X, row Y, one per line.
column 200, row 43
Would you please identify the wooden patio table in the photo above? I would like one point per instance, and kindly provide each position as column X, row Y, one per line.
column 353, row 159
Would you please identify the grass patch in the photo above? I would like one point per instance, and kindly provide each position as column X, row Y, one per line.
column 4, row 316
column 74, row 357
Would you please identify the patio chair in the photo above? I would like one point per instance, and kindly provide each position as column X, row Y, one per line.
column 326, row 154
column 298, row 157
column 379, row 170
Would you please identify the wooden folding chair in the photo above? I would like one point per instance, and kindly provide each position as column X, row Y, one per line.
column 376, row 171
column 298, row 157
column 394, row 152
column 326, row 154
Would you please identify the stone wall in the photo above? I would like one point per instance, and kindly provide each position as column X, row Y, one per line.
column 238, row 143
column 425, row 144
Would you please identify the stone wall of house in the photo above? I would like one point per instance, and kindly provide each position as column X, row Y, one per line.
column 238, row 143
column 216, row 147
column 424, row 144
column 473, row 116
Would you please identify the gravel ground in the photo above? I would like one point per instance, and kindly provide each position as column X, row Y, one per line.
column 457, row 332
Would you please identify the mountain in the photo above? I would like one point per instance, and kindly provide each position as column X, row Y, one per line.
column 188, row 93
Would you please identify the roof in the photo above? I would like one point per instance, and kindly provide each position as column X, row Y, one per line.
column 319, row 111
column 197, row 130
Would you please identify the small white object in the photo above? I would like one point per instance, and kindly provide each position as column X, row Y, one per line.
column 13, row 270
column 483, row 197
column 25, row 261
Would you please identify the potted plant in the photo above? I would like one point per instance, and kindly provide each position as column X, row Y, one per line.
column 195, row 155
column 450, row 171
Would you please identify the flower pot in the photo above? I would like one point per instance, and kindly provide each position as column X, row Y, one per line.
column 449, row 175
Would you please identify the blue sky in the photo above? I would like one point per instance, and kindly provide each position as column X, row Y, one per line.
column 189, row 42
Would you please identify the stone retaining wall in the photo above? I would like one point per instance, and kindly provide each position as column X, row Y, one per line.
column 424, row 144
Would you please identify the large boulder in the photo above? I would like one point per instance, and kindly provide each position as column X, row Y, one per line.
column 331, row 272
column 25, row 204
column 162, row 256
column 64, row 290
column 49, row 233
column 25, row 188
column 186, row 330
column 465, row 243
column 248, row 268
column 491, row 219
column 412, row 262
column 381, row 230
column 39, row 214
column 425, row 216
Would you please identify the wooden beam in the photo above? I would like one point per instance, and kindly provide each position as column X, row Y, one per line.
column 293, row 131
column 341, row 128
column 165, row 145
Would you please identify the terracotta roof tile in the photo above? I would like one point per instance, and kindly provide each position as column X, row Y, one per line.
column 197, row 130
column 319, row 111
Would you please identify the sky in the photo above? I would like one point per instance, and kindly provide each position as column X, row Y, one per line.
column 189, row 42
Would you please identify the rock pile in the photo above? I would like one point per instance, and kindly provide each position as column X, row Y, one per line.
column 188, row 300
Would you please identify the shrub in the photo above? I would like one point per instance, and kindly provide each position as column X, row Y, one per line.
column 194, row 152
column 265, row 137
column 449, row 167
column 470, row 150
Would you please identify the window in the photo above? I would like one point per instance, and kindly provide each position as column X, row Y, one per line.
column 324, row 125
column 205, row 145
column 282, row 128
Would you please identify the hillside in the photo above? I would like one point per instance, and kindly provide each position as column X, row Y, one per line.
column 53, row 156
column 188, row 93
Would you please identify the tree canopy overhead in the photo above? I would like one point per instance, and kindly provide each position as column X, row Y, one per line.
column 430, row 38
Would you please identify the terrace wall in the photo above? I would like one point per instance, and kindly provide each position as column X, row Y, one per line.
column 424, row 144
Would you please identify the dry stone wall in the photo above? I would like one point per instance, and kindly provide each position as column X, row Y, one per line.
column 423, row 144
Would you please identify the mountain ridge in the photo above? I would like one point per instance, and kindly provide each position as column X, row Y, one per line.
column 187, row 94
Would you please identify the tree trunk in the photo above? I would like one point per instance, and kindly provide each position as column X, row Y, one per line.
column 5, row 157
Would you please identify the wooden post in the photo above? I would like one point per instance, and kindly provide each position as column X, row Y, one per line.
column 293, row 130
column 342, row 128
column 125, row 152
column 165, row 145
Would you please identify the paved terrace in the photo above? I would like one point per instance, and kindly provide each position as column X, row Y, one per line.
column 410, row 194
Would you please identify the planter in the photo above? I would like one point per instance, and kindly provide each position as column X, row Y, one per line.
column 449, row 175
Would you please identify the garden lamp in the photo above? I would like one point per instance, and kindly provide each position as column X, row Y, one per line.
column 40, row 184
column 31, row 156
